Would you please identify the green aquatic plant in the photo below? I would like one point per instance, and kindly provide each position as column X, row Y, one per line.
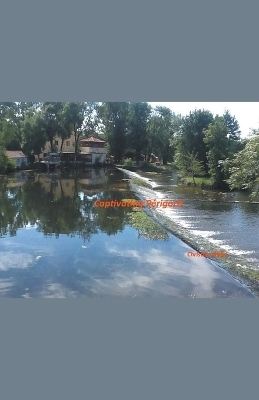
column 140, row 182
column 146, row 226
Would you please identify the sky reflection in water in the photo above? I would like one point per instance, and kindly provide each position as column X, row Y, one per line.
column 54, row 243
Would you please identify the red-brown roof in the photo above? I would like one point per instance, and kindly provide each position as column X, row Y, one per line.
column 92, row 139
column 15, row 154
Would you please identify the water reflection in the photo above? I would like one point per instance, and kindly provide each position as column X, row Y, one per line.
column 62, row 203
column 55, row 243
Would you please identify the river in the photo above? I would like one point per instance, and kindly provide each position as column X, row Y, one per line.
column 55, row 243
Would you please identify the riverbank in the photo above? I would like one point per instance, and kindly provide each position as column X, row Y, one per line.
column 235, row 265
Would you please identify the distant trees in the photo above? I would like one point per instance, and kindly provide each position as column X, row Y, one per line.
column 211, row 139
column 198, row 143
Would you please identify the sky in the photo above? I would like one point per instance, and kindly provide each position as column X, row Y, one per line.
column 247, row 114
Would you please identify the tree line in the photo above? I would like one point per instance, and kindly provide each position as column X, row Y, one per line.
column 199, row 144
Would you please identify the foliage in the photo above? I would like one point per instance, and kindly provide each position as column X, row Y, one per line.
column 128, row 162
column 188, row 163
column 146, row 227
column 217, row 141
column 234, row 140
column 51, row 120
column 79, row 118
column 9, row 126
column 6, row 163
column 190, row 136
column 114, row 118
column 161, row 127
column 244, row 167
column 200, row 181
column 137, row 134
column 33, row 133
column 140, row 182
column 149, row 167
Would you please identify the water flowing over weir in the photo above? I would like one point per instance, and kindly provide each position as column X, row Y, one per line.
column 208, row 220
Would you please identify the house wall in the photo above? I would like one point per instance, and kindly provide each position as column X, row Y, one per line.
column 19, row 161
column 68, row 145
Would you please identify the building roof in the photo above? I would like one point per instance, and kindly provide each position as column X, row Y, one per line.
column 92, row 139
column 15, row 154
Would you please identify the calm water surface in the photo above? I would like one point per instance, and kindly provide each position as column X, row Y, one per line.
column 55, row 243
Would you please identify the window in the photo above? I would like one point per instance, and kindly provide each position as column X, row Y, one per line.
column 67, row 143
column 56, row 142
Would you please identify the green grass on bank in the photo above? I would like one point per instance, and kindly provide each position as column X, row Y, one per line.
column 200, row 181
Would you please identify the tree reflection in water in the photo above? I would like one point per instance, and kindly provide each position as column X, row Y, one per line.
column 62, row 203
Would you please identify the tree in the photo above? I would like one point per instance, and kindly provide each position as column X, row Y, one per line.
column 114, row 117
column 243, row 168
column 137, row 127
column 234, row 140
column 33, row 133
column 191, row 136
column 216, row 140
column 52, row 123
column 79, row 118
column 162, row 125
column 6, row 163
column 189, row 163
column 10, row 125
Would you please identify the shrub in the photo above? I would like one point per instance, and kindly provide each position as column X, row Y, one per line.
column 128, row 162
column 7, row 164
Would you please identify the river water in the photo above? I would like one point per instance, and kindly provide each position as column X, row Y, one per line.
column 55, row 243
column 229, row 221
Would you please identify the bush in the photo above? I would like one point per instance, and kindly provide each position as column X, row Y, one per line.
column 128, row 162
column 7, row 164
column 10, row 165
column 146, row 166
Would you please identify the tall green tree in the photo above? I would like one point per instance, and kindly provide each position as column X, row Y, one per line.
column 234, row 139
column 80, row 118
column 114, row 117
column 216, row 139
column 137, row 133
column 33, row 133
column 163, row 123
column 188, row 164
column 191, row 136
column 51, row 117
column 10, row 125
column 243, row 168
column 6, row 163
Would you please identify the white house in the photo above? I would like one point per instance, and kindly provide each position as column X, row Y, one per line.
column 92, row 149
column 18, row 156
